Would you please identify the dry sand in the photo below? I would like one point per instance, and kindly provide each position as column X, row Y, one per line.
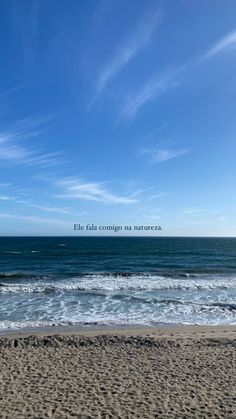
column 182, row 372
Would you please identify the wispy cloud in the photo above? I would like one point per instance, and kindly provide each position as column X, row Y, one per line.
column 34, row 219
column 157, row 196
column 77, row 189
column 45, row 159
column 127, row 52
column 227, row 44
column 152, row 216
column 154, row 88
column 13, row 149
column 155, row 131
column 162, row 84
column 194, row 212
column 41, row 207
column 162, row 155
column 222, row 219
column 4, row 184
column 48, row 208
column 5, row 198
column 12, row 90
column 203, row 216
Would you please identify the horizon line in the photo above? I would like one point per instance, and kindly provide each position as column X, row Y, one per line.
column 118, row 236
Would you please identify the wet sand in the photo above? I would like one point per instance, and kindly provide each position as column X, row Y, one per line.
column 172, row 372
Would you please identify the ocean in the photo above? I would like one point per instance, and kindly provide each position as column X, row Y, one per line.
column 114, row 281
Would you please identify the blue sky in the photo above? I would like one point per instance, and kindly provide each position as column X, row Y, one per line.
column 116, row 112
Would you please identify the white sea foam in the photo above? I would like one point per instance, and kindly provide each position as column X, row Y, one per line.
column 115, row 283
column 118, row 300
column 115, row 316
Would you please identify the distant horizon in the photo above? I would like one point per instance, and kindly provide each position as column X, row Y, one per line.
column 124, row 236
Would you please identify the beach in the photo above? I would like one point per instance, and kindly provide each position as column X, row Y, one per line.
column 165, row 372
column 104, row 327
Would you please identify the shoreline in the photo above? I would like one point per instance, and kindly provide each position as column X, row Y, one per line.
column 207, row 331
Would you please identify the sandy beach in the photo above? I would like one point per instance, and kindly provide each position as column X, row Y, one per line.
column 174, row 372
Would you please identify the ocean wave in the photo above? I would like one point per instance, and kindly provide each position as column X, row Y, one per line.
column 142, row 283
column 14, row 252
column 96, row 283
column 9, row 276
column 186, row 314
column 29, row 324
column 168, row 274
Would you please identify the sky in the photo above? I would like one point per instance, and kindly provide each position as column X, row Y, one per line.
column 116, row 112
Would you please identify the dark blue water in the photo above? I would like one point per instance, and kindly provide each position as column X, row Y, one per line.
column 116, row 280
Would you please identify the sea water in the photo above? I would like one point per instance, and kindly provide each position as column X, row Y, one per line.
column 47, row 281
